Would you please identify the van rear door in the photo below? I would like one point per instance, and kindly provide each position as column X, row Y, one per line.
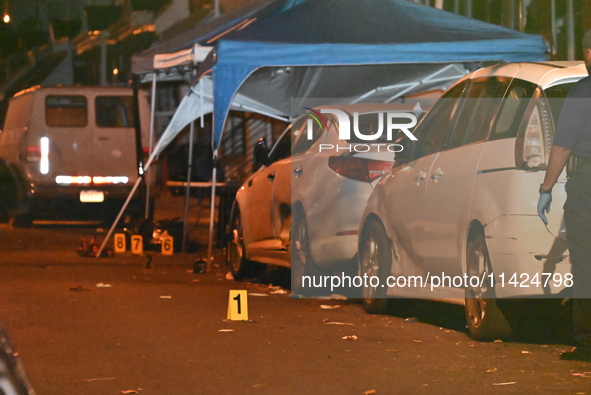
column 66, row 119
column 114, row 147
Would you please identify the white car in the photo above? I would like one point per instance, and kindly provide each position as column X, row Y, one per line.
column 456, row 218
column 303, row 206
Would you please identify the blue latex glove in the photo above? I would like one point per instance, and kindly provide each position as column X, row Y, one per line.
column 544, row 206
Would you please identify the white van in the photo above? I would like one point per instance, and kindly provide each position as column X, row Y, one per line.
column 76, row 145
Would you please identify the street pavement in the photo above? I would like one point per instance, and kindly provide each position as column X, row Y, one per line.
column 110, row 326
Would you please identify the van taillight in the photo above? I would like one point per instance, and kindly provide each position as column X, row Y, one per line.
column 534, row 150
column 359, row 168
column 34, row 154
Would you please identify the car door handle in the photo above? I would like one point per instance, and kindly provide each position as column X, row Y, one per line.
column 271, row 176
column 437, row 174
column 421, row 176
column 298, row 171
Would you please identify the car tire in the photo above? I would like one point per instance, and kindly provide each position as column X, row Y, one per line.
column 485, row 321
column 240, row 267
column 375, row 259
column 302, row 263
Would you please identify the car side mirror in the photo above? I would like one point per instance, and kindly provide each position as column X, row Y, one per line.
column 261, row 154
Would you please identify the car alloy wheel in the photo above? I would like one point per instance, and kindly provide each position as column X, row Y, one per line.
column 484, row 319
column 235, row 252
column 375, row 260
column 302, row 263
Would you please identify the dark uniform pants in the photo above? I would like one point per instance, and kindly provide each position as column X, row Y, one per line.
column 577, row 218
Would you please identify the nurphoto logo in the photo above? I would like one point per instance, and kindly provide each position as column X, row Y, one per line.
column 364, row 140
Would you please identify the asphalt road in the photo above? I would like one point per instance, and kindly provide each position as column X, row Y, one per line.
column 165, row 331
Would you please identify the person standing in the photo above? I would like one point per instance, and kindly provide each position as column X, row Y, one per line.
column 573, row 140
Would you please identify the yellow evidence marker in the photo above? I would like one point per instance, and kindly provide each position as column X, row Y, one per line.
column 119, row 240
column 238, row 306
column 167, row 245
column 137, row 245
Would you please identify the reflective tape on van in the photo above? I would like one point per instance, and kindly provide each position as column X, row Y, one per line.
column 88, row 180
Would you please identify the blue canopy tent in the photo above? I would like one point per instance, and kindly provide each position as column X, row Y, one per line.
column 357, row 32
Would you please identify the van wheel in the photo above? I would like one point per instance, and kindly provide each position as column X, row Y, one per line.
column 375, row 259
column 486, row 322
column 22, row 220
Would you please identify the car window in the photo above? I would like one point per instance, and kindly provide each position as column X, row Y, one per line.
column 66, row 111
column 432, row 131
column 482, row 99
column 301, row 141
column 282, row 148
column 512, row 109
column 114, row 111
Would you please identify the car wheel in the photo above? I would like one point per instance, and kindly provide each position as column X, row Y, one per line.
column 375, row 261
column 236, row 251
column 486, row 322
column 302, row 263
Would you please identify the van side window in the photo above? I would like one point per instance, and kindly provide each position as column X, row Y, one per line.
column 66, row 111
column 512, row 110
column 114, row 111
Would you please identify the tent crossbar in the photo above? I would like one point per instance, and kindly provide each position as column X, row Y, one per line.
column 382, row 89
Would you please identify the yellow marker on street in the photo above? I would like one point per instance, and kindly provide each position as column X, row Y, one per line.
column 238, row 306
column 119, row 240
column 167, row 245
column 137, row 245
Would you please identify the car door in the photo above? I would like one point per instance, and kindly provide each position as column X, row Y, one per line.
column 450, row 182
column 406, row 185
column 293, row 174
column 259, row 192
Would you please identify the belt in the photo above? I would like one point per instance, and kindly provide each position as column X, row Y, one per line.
column 576, row 164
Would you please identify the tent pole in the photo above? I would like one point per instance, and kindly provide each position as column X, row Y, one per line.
column 570, row 30
column 150, row 142
column 188, row 188
column 137, row 184
column 212, row 211
column 553, row 25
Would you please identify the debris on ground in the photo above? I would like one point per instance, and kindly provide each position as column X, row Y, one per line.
column 129, row 392
column 79, row 288
column 338, row 323
column 279, row 292
column 329, row 307
column 103, row 285
column 369, row 392
column 257, row 294
column 229, row 276
column 165, row 297
column 226, row 330
column 100, row 379
column 350, row 337
column 507, row 383
column 411, row 319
